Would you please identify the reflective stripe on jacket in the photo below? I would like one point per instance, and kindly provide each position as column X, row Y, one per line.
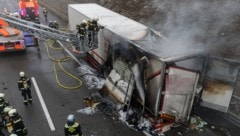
column 24, row 83
column 73, row 130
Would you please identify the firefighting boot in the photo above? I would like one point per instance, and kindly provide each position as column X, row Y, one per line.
column 25, row 102
column 30, row 100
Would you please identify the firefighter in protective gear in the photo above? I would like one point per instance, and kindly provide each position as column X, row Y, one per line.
column 45, row 12
column 82, row 29
column 3, row 104
column 2, row 121
column 72, row 128
column 24, row 85
column 53, row 24
column 93, row 29
column 17, row 123
column 6, row 120
column 93, row 25
column 56, row 26
column 50, row 24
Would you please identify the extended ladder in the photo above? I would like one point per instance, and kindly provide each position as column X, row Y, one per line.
column 46, row 32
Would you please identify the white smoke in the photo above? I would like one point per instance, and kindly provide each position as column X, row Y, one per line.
column 192, row 23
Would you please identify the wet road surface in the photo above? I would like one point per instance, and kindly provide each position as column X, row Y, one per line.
column 59, row 102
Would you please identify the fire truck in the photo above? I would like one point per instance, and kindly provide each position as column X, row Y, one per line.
column 11, row 39
column 28, row 10
column 22, row 34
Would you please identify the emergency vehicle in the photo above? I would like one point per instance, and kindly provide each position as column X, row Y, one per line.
column 12, row 39
column 28, row 10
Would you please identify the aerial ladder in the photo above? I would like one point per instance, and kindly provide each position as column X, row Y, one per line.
column 82, row 45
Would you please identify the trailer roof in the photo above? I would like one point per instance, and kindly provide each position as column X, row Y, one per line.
column 136, row 33
column 113, row 21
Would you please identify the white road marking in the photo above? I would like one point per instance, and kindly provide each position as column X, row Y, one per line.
column 50, row 123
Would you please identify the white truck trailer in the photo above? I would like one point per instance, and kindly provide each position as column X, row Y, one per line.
column 144, row 67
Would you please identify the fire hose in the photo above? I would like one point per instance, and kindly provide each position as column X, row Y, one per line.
column 59, row 61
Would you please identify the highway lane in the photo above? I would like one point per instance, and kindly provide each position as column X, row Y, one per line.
column 59, row 102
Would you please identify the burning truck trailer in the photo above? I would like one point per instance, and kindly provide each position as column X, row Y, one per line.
column 163, row 87
column 158, row 87
column 148, row 77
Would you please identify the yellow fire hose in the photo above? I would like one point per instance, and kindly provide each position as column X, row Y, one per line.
column 50, row 43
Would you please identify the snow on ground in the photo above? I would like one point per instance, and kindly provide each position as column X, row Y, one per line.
column 87, row 111
column 92, row 81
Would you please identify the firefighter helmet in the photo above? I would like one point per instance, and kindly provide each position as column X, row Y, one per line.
column 70, row 118
column 22, row 74
column 12, row 112
column 7, row 109
column 95, row 19
column 84, row 21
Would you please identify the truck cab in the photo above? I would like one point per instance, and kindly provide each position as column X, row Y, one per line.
column 28, row 10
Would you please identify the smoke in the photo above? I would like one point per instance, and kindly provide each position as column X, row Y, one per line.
column 212, row 24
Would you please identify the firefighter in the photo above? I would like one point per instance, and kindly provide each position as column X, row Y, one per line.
column 45, row 12
column 17, row 123
column 53, row 24
column 82, row 29
column 72, row 128
column 50, row 24
column 1, row 127
column 93, row 28
column 3, row 104
column 24, row 85
column 6, row 123
column 93, row 25
column 56, row 26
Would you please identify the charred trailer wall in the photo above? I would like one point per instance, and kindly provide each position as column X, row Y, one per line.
column 154, row 75
column 220, row 81
column 120, row 57
column 179, row 84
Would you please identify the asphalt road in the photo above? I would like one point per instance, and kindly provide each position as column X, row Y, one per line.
column 59, row 102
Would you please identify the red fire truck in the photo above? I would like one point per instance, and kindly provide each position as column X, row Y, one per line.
column 28, row 10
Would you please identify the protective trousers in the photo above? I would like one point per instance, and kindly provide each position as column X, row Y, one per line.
column 26, row 93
